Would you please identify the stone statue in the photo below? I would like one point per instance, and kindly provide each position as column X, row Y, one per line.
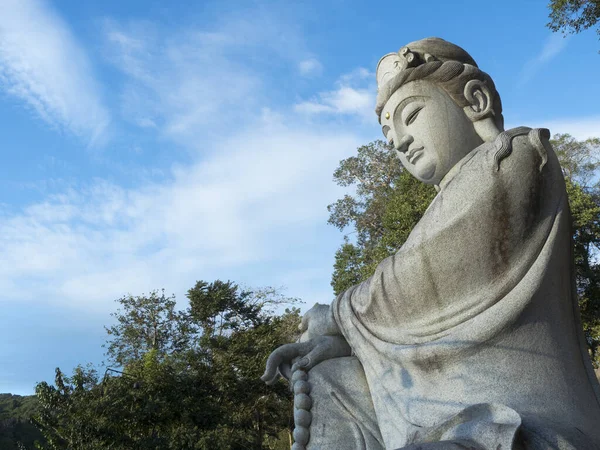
column 468, row 337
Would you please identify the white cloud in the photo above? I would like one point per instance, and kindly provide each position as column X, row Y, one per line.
column 42, row 64
column 581, row 128
column 354, row 95
column 310, row 67
column 179, row 84
column 238, row 209
column 196, row 82
column 554, row 44
column 247, row 207
column 315, row 108
column 344, row 100
column 358, row 75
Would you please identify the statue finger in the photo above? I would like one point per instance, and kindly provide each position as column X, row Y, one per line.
column 283, row 354
column 276, row 359
column 313, row 358
column 331, row 347
column 285, row 370
column 305, row 363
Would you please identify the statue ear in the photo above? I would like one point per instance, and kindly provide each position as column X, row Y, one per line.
column 480, row 100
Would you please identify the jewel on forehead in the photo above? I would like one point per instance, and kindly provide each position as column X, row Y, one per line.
column 387, row 115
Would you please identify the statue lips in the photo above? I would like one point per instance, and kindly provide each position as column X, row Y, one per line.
column 414, row 154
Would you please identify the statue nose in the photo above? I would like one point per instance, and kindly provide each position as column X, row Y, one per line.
column 402, row 144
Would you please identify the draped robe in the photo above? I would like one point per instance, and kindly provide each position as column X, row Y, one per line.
column 479, row 307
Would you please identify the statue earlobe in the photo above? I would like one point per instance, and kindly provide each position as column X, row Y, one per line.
column 480, row 99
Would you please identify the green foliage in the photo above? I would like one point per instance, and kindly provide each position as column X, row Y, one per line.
column 579, row 159
column 147, row 323
column 347, row 268
column 580, row 163
column 16, row 431
column 573, row 16
column 387, row 204
column 190, row 378
column 222, row 307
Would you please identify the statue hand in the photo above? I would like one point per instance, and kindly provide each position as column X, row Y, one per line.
column 318, row 321
column 311, row 352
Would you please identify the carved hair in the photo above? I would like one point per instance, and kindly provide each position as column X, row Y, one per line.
column 452, row 76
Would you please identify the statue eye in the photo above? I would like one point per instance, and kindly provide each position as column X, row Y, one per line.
column 413, row 115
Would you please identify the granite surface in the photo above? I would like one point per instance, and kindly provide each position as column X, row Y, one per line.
column 469, row 336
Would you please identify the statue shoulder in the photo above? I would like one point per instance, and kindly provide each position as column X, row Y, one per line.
column 524, row 146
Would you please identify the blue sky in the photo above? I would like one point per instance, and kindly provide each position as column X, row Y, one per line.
column 150, row 144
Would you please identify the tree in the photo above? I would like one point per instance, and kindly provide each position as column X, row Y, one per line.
column 189, row 378
column 16, row 431
column 147, row 323
column 240, row 330
column 580, row 163
column 220, row 307
column 573, row 16
column 578, row 159
column 388, row 202
column 151, row 406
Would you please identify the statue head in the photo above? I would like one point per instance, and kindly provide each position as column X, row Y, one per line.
column 435, row 106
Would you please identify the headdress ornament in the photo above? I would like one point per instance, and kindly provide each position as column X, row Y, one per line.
column 393, row 68
column 417, row 53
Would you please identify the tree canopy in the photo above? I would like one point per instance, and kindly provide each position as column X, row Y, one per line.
column 186, row 379
column 580, row 162
column 573, row 16
column 16, row 430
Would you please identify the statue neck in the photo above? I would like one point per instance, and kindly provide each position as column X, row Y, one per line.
column 487, row 129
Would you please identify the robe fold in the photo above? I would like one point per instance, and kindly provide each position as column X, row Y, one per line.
column 479, row 306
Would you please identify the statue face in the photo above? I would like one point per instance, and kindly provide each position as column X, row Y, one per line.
column 430, row 132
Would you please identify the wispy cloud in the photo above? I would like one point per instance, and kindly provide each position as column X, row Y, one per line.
column 178, row 83
column 42, row 64
column 244, row 207
column 310, row 67
column 354, row 95
column 555, row 43
column 581, row 127
column 197, row 82
column 234, row 210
